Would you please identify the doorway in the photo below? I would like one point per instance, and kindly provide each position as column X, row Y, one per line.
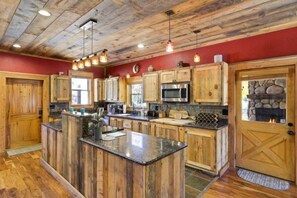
column 24, row 112
column 265, row 121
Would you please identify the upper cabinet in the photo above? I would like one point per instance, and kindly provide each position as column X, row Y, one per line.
column 210, row 83
column 115, row 89
column 59, row 88
column 151, row 87
column 177, row 75
column 99, row 90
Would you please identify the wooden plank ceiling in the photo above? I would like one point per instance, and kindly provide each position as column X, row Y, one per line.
column 123, row 24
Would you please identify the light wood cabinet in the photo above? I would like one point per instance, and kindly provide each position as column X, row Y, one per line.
column 207, row 149
column 115, row 89
column 59, row 88
column 210, row 83
column 166, row 131
column 141, row 126
column 127, row 124
column 177, row 75
column 116, row 122
column 98, row 90
column 151, row 87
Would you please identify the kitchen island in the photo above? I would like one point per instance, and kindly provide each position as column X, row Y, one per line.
column 132, row 165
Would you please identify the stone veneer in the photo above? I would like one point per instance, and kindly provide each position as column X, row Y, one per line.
column 269, row 87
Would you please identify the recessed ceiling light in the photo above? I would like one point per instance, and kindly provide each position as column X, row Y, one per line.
column 140, row 45
column 44, row 13
column 16, row 45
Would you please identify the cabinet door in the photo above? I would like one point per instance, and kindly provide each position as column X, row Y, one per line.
column 183, row 75
column 127, row 124
column 136, row 126
column 145, row 127
column 113, row 122
column 167, row 131
column 63, row 88
column 151, row 87
column 120, row 123
column 104, row 90
column 207, row 84
column 201, row 150
column 96, row 90
column 115, row 89
column 168, row 76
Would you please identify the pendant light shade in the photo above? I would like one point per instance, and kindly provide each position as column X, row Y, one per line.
column 81, row 64
column 103, row 56
column 74, row 65
column 169, row 44
column 95, row 60
column 196, row 56
column 87, row 62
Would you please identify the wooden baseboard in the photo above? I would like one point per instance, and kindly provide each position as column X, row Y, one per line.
column 61, row 179
column 224, row 169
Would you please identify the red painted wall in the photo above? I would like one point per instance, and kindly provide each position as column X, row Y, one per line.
column 280, row 43
column 27, row 64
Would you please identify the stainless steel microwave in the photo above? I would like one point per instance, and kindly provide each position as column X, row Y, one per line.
column 175, row 92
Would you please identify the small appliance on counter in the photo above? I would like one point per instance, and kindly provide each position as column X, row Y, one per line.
column 115, row 108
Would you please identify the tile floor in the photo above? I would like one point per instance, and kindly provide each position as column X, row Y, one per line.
column 197, row 182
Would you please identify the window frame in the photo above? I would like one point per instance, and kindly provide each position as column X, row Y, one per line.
column 132, row 81
column 84, row 75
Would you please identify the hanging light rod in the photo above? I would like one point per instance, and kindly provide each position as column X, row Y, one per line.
column 169, row 12
column 88, row 24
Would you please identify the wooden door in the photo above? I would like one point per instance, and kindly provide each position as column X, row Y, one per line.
column 112, row 122
column 183, row 75
column 265, row 116
column 120, row 123
column 207, row 84
column 24, row 112
column 167, row 76
column 136, row 126
column 167, row 131
column 201, row 150
column 145, row 127
column 151, row 87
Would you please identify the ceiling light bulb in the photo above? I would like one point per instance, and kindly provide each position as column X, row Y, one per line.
column 95, row 60
column 81, row 64
column 169, row 46
column 44, row 13
column 87, row 62
column 74, row 65
column 140, row 45
column 16, row 45
column 103, row 57
column 197, row 58
column 128, row 75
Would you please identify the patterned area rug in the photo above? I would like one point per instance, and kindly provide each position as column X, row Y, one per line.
column 12, row 152
column 263, row 180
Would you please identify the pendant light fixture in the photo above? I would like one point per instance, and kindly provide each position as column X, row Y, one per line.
column 74, row 65
column 196, row 56
column 93, row 58
column 169, row 44
column 103, row 56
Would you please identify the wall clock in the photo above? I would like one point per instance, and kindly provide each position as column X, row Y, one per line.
column 135, row 68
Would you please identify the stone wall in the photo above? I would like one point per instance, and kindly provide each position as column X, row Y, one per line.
column 264, row 89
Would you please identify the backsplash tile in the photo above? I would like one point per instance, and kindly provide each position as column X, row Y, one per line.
column 193, row 110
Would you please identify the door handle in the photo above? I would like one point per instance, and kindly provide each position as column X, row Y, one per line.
column 291, row 132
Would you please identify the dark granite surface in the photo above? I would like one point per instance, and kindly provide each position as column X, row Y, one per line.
column 134, row 117
column 137, row 147
column 55, row 115
column 54, row 125
column 211, row 126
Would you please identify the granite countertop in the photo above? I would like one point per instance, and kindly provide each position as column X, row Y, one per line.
column 140, row 148
column 211, row 126
column 55, row 115
column 57, row 125
column 134, row 117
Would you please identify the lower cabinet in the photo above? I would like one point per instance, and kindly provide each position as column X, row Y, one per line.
column 207, row 149
column 116, row 122
column 141, row 126
column 167, row 131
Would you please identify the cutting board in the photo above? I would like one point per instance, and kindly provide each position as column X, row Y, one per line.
column 178, row 122
column 178, row 114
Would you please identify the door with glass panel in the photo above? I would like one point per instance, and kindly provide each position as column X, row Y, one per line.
column 265, row 136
